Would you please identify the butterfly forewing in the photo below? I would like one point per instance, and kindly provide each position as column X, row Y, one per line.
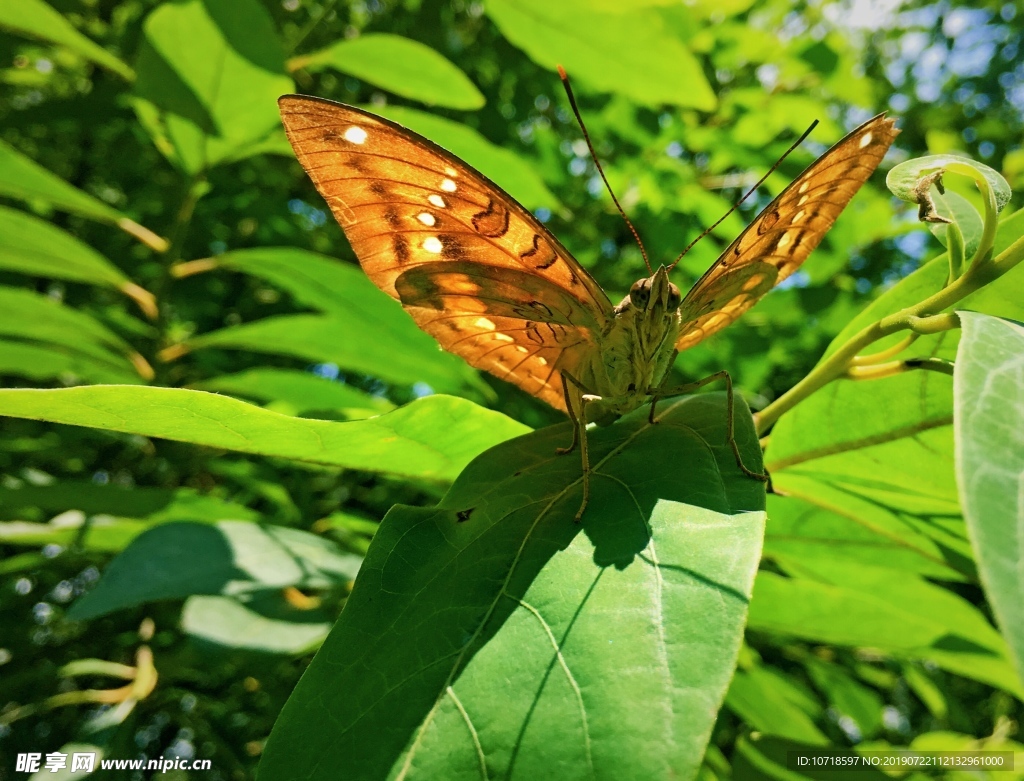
column 474, row 269
column 783, row 235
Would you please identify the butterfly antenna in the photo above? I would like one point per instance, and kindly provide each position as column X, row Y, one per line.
column 746, row 195
column 586, row 136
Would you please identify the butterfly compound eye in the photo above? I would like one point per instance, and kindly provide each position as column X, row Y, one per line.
column 674, row 297
column 640, row 293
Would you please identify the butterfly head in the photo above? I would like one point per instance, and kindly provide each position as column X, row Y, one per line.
column 651, row 313
column 655, row 296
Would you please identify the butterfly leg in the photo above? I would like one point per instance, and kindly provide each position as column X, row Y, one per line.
column 572, row 416
column 577, row 398
column 585, row 399
column 690, row 387
column 654, row 397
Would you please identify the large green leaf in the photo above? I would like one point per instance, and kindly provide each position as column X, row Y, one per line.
column 295, row 391
column 517, row 175
column 988, row 388
column 491, row 636
column 38, row 20
column 635, row 54
column 24, row 179
column 209, row 75
column 177, row 560
column 34, row 246
column 399, row 65
column 432, row 438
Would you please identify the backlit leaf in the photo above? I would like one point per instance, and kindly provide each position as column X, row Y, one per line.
column 432, row 438
column 399, row 65
column 989, row 421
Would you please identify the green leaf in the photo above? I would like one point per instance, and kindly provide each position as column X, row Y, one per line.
column 209, row 75
column 103, row 534
column 430, row 438
column 263, row 623
column 902, row 179
column 889, row 620
column 856, row 531
column 294, row 391
column 755, row 696
column 40, row 362
column 988, row 384
column 316, row 281
column 492, row 636
column 517, row 175
column 926, row 690
column 155, row 505
column 635, row 53
column 399, row 65
column 954, row 206
column 177, row 560
column 880, row 452
column 340, row 338
column 32, row 317
column 24, row 179
column 36, row 19
column 847, row 697
column 34, row 246
column 399, row 351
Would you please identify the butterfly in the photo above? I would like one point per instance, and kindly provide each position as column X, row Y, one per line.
column 482, row 275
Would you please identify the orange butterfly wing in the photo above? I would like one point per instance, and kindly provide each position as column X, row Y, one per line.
column 474, row 268
column 784, row 234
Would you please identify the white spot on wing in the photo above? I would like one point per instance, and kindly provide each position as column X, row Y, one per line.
column 355, row 134
column 450, row 171
column 542, row 361
column 783, row 242
column 483, row 322
column 799, row 216
column 865, row 140
column 522, row 349
column 433, row 244
column 448, row 186
column 504, row 338
column 427, row 219
column 436, row 200
column 803, row 187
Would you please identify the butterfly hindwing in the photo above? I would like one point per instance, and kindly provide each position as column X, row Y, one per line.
column 474, row 268
column 784, row 234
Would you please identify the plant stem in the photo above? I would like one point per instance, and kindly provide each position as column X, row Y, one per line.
column 919, row 318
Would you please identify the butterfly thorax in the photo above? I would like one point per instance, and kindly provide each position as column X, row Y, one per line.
column 635, row 349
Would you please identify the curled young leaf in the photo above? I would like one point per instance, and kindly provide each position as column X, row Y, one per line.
column 903, row 180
